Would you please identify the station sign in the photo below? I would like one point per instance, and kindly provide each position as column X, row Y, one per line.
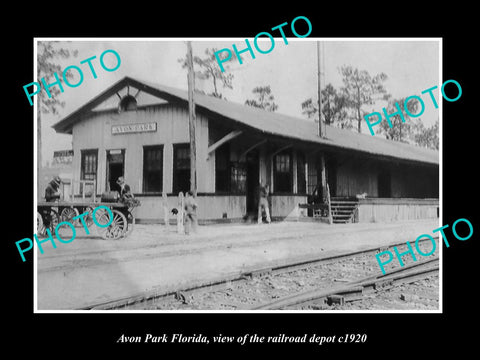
column 134, row 128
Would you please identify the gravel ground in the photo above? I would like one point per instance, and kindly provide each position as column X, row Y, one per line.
column 421, row 295
column 91, row 271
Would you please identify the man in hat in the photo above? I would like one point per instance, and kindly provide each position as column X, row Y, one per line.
column 124, row 189
column 263, row 203
column 52, row 191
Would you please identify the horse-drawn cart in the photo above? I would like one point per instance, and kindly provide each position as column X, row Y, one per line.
column 50, row 214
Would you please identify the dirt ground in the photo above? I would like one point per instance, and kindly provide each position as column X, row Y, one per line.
column 248, row 294
column 90, row 270
column 420, row 295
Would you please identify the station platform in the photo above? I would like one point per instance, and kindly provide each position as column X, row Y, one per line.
column 90, row 270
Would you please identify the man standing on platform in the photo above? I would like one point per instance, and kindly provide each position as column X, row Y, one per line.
column 190, row 213
column 263, row 203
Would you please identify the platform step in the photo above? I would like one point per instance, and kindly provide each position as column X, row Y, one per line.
column 338, row 216
column 343, row 211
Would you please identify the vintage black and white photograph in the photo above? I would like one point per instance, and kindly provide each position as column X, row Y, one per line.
column 276, row 174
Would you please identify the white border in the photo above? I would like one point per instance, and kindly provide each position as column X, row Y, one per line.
column 306, row 312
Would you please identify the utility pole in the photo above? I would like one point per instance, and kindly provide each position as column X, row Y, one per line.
column 321, row 133
column 191, row 119
column 319, row 87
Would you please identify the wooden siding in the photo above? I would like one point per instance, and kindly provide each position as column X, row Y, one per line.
column 172, row 128
column 285, row 205
column 209, row 208
column 388, row 210
column 410, row 181
column 356, row 176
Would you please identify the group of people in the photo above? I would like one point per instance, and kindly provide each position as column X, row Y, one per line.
column 53, row 193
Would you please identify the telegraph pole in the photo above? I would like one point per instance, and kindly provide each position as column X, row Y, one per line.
column 321, row 133
column 319, row 88
column 191, row 119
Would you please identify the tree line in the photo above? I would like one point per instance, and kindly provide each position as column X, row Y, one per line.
column 342, row 107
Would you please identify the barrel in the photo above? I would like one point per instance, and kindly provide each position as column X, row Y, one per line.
column 110, row 196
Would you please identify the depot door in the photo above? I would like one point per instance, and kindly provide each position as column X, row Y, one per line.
column 384, row 184
column 115, row 168
column 252, row 167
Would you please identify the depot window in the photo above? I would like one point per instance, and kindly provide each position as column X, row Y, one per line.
column 283, row 174
column 89, row 164
column 153, row 168
column 301, row 176
column 222, row 168
column 238, row 178
column 128, row 103
column 88, row 170
column 181, row 168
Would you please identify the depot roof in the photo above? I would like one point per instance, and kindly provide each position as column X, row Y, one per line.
column 264, row 121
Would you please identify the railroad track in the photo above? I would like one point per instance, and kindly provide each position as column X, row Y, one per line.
column 176, row 298
column 356, row 289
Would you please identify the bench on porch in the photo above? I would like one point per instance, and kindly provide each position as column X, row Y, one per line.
column 341, row 210
column 319, row 210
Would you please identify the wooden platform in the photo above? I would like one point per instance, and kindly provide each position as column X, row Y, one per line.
column 352, row 210
column 79, row 204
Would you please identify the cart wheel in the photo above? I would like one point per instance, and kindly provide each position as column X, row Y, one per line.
column 88, row 218
column 68, row 213
column 40, row 227
column 49, row 220
column 116, row 229
column 130, row 223
column 54, row 220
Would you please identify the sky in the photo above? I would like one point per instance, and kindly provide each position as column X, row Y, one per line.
column 412, row 65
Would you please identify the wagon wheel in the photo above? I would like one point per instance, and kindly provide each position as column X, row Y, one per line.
column 88, row 218
column 40, row 227
column 50, row 221
column 54, row 220
column 116, row 229
column 68, row 213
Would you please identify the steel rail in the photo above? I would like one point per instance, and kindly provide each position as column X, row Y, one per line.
column 221, row 282
column 405, row 274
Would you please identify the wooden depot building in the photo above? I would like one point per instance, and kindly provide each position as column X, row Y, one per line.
column 140, row 131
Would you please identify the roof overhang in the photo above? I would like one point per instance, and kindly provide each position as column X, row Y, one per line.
column 265, row 122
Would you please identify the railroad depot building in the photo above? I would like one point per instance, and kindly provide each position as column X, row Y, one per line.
column 140, row 131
